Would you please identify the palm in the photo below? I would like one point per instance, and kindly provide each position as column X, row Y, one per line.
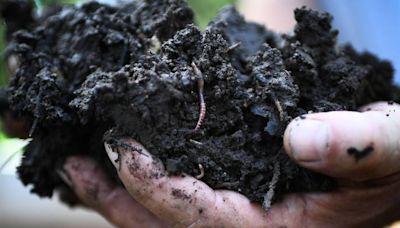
column 367, row 193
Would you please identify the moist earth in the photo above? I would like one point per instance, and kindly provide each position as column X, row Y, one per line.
column 141, row 70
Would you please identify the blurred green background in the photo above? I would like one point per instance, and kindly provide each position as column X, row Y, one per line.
column 204, row 10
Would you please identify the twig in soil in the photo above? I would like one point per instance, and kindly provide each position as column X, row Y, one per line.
column 201, row 175
column 234, row 46
column 33, row 128
column 37, row 112
column 272, row 185
column 200, row 84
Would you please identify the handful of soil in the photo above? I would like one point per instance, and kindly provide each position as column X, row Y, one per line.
column 213, row 104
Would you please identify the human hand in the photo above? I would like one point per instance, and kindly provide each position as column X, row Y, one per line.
column 90, row 184
column 360, row 150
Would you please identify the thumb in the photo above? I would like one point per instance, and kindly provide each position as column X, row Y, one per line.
column 344, row 144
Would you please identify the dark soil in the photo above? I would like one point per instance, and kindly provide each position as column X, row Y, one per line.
column 83, row 71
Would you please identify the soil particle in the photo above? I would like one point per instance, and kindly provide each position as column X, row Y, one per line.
column 85, row 70
column 360, row 154
column 156, row 175
column 180, row 194
column 133, row 167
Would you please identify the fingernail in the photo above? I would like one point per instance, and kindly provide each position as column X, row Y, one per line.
column 308, row 140
column 64, row 176
column 113, row 155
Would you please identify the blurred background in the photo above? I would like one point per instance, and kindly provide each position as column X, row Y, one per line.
column 371, row 25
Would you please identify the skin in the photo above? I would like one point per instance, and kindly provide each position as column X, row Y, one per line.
column 367, row 195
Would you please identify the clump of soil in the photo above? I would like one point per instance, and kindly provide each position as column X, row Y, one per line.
column 141, row 70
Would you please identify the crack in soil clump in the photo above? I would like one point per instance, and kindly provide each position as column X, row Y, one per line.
column 84, row 70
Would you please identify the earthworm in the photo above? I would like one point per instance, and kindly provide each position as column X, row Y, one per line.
column 200, row 84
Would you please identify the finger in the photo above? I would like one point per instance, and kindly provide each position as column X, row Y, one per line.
column 182, row 201
column 353, row 145
column 380, row 106
column 95, row 190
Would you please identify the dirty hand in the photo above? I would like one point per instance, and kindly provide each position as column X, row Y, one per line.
column 360, row 150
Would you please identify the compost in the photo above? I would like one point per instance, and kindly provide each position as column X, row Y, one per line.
column 211, row 103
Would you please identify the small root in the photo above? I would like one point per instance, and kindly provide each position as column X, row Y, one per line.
column 272, row 185
column 196, row 142
column 200, row 84
column 64, row 176
column 8, row 160
column 280, row 110
column 33, row 128
column 234, row 46
column 201, row 175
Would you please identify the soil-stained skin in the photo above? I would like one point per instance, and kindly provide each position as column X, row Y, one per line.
column 180, row 194
column 84, row 70
column 360, row 154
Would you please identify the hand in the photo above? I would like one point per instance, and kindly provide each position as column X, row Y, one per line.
column 95, row 190
column 361, row 150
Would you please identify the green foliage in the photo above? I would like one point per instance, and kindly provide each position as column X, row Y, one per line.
column 205, row 10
